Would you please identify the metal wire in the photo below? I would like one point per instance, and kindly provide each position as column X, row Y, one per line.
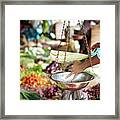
column 67, row 43
column 63, row 29
column 85, row 29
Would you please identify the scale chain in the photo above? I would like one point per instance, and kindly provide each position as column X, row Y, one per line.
column 67, row 43
column 85, row 29
column 60, row 40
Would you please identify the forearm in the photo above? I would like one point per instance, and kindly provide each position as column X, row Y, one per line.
column 95, row 60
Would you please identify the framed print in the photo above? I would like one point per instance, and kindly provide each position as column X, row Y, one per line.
column 60, row 59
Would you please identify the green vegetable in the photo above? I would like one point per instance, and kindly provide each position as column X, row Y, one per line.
column 29, row 54
column 36, row 69
column 45, row 26
column 30, row 96
column 26, row 60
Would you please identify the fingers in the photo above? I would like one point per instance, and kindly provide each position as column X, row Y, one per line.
column 68, row 75
column 75, row 75
column 97, row 45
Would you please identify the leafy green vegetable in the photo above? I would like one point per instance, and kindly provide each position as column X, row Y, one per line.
column 28, row 54
column 35, row 69
column 47, row 52
column 30, row 96
column 45, row 26
column 26, row 60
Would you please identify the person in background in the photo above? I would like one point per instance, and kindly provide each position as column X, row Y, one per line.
column 30, row 30
column 80, row 66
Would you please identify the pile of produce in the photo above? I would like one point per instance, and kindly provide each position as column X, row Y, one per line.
column 93, row 93
column 34, row 81
column 35, row 84
column 53, row 67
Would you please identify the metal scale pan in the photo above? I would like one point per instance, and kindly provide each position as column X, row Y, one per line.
column 80, row 81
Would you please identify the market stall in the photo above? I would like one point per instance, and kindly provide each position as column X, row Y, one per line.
column 47, row 54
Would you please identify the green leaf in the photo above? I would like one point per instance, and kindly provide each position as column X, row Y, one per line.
column 26, row 60
column 30, row 96
column 35, row 69
column 23, row 96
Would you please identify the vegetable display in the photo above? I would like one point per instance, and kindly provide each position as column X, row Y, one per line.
column 35, row 81
column 53, row 67
column 93, row 93
column 37, row 85
column 48, row 49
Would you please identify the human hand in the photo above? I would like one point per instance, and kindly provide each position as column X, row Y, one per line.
column 97, row 45
column 77, row 68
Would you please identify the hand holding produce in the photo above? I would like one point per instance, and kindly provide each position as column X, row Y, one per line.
column 77, row 68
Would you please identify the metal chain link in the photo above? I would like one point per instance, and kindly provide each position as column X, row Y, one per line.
column 63, row 29
column 85, row 29
column 67, row 43
column 89, row 53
